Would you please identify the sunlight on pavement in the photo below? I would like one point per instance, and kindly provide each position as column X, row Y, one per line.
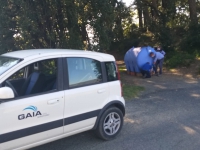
column 195, row 95
column 175, row 72
column 149, row 81
column 160, row 86
column 189, row 130
column 179, row 73
column 191, row 81
column 189, row 75
column 197, row 127
column 128, row 120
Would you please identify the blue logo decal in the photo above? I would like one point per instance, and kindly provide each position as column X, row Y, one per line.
column 31, row 108
column 35, row 113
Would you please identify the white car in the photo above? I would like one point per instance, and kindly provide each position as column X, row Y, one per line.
column 50, row 94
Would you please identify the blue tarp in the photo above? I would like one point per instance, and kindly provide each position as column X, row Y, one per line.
column 135, row 58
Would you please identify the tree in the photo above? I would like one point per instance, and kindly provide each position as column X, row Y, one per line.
column 99, row 25
column 61, row 24
column 193, row 12
column 140, row 13
column 147, row 19
column 8, row 25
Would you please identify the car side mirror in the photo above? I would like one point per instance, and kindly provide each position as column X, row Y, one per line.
column 6, row 93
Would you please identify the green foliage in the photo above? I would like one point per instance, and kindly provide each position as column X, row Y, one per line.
column 179, row 59
column 122, row 68
column 61, row 24
column 131, row 91
column 190, row 41
column 69, row 23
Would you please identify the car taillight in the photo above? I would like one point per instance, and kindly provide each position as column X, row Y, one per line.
column 118, row 76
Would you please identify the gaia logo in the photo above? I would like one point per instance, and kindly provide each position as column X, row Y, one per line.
column 27, row 115
column 31, row 108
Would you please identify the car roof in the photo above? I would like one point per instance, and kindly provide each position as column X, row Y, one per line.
column 22, row 54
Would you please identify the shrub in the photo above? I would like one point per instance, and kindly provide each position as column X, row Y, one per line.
column 179, row 59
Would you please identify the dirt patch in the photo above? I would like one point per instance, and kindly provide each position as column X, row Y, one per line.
column 193, row 71
column 172, row 79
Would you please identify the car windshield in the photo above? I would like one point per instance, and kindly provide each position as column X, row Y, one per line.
column 6, row 63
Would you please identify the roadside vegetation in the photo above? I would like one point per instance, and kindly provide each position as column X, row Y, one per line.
column 179, row 59
column 107, row 26
column 131, row 91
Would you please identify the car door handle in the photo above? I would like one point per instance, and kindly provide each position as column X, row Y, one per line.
column 50, row 102
column 101, row 91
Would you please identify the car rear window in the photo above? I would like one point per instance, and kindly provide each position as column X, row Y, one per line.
column 111, row 71
column 83, row 72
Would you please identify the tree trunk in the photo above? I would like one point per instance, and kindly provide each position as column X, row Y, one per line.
column 140, row 18
column 164, row 4
column 154, row 9
column 147, row 19
column 169, row 7
column 139, row 8
column 193, row 12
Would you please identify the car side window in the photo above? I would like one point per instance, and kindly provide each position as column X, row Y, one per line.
column 49, row 67
column 83, row 71
column 18, row 75
column 37, row 77
column 111, row 71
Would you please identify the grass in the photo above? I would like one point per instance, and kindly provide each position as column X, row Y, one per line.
column 131, row 91
column 122, row 68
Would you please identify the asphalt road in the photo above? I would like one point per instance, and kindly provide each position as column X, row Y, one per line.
column 163, row 119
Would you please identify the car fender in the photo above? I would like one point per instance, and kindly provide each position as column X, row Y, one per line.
column 114, row 103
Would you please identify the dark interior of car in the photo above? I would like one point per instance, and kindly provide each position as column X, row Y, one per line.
column 40, row 77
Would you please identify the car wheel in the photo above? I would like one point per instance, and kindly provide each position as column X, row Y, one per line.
column 110, row 123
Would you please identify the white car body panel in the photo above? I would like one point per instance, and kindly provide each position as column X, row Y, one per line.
column 6, row 92
column 53, row 139
column 11, row 110
column 84, row 100
column 33, row 54
column 36, row 139
column 75, row 109
column 80, row 126
column 115, row 91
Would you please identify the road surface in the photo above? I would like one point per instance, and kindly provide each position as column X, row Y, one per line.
column 165, row 117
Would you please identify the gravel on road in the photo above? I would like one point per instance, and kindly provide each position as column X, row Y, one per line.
column 166, row 116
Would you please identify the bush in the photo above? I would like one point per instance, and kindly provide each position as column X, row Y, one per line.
column 180, row 59
column 190, row 40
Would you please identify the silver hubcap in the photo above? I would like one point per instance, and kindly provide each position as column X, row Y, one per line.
column 112, row 123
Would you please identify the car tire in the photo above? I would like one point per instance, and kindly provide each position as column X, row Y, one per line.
column 110, row 124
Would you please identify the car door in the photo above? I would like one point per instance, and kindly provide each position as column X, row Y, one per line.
column 85, row 94
column 33, row 118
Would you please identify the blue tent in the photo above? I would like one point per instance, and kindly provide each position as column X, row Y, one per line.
column 135, row 58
